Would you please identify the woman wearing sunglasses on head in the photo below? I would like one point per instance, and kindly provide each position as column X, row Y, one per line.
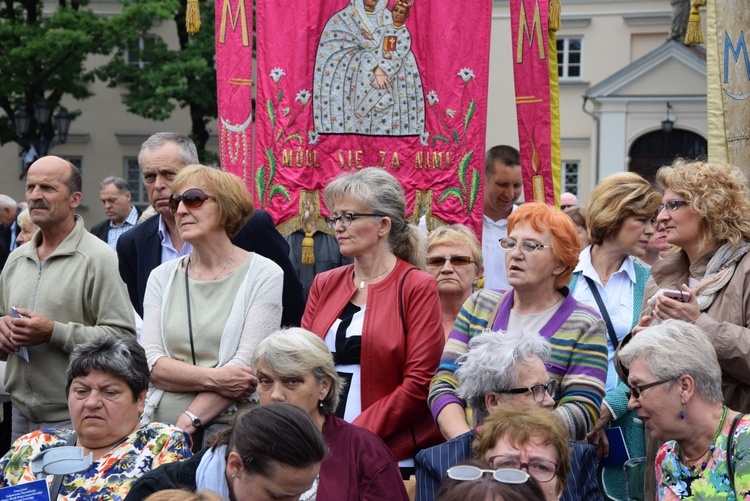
column 380, row 316
column 676, row 388
column 541, row 252
column 454, row 258
column 205, row 314
column 527, row 439
column 472, row 480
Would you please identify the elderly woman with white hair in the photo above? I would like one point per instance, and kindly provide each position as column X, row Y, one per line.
column 676, row 389
column 295, row 366
column 500, row 368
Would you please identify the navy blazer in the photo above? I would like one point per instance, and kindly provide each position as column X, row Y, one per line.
column 139, row 252
column 432, row 464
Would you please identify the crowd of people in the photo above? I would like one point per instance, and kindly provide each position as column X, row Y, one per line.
column 202, row 361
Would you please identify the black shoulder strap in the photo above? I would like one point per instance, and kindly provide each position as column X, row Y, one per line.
column 603, row 311
column 54, row 489
column 730, row 451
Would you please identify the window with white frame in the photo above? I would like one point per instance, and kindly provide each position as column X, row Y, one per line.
column 139, row 197
column 134, row 55
column 569, row 58
column 570, row 176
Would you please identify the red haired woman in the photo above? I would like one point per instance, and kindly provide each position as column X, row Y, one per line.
column 541, row 253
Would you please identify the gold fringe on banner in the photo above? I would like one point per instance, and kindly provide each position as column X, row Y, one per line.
column 694, row 34
column 193, row 17
column 555, row 9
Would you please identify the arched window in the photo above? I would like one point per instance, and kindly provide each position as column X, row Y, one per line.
column 658, row 148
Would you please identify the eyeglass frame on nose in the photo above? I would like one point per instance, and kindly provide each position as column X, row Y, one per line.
column 672, row 205
column 526, row 246
column 637, row 390
column 503, row 475
column 550, row 387
column 439, row 261
column 522, row 465
column 349, row 217
column 190, row 203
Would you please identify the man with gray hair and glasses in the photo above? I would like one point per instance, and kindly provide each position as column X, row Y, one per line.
column 500, row 368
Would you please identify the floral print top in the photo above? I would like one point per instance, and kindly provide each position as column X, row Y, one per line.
column 111, row 476
column 675, row 481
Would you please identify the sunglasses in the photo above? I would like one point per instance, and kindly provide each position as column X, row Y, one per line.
column 455, row 261
column 469, row 472
column 192, row 199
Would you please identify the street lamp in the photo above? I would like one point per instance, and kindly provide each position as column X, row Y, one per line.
column 36, row 144
column 667, row 125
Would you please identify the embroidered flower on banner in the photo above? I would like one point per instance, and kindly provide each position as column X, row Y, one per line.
column 424, row 138
column 303, row 96
column 276, row 74
column 312, row 137
column 432, row 98
column 466, row 74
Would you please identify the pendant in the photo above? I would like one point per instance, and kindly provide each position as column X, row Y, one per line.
column 361, row 284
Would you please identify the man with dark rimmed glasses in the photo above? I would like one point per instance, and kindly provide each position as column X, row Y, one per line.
column 500, row 368
column 156, row 240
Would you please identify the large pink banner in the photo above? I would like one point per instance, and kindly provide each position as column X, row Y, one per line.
column 531, row 74
column 343, row 85
column 234, row 55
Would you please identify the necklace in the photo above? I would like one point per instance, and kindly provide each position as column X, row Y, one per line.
column 229, row 260
column 362, row 280
column 707, row 454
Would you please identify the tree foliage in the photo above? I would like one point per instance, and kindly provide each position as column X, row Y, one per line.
column 43, row 56
column 184, row 76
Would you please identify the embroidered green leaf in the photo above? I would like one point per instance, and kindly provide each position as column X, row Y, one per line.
column 271, row 166
column 260, row 184
column 293, row 136
column 474, row 189
column 279, row 96
column 277, row 189
column 451, row 192
column 462, row 165
column 440, row 138
column 271, row 113
column 469, row 114
column 455, row 138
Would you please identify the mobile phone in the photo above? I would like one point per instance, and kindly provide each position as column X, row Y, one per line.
column 680, row 296
column 14, row 313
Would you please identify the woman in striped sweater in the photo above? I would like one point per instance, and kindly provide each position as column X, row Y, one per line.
column 541, row 253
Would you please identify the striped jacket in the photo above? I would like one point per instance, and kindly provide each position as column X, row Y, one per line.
column 578, row 362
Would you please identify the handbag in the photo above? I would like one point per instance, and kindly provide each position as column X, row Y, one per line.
column 635, row 470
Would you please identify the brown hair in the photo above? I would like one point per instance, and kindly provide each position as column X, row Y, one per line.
column 520, row 425
column 233, row 199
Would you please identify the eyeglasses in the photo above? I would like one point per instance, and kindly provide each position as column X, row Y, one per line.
column 635, row 391
column 468, row 472
column 346, row 218
column 563, row 207
column 543, row 470
column 528, row 246
column 673, row 205
column 439, row 261
column 191, row 198
column 537, row 391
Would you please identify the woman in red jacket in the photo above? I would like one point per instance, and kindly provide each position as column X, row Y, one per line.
column 380, row 316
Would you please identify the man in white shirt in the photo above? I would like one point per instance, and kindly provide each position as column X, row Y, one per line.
column 503, row 185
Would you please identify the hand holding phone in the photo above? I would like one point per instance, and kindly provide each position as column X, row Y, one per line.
column 680, row 296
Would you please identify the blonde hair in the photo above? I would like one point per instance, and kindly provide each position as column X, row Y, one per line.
column 457, row 234
column 232, row 198
column 718, row 193
column 183, row 495
column 616, row 198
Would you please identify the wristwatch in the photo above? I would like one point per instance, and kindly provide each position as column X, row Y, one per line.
column 196, row 421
